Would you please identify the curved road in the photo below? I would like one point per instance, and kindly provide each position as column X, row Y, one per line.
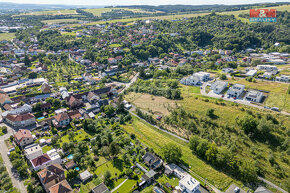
column 16, row 181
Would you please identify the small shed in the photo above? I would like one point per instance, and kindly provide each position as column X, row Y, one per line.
column 86, row 175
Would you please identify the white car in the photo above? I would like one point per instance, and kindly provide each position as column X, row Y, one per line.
column 237, row 190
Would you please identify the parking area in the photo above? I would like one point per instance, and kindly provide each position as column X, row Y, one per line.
column 232, row 188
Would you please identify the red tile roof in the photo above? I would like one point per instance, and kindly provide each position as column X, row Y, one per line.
column 61, row 116
column 62, row 187
column 40, row 160
column 23, row 117
column 21, row 134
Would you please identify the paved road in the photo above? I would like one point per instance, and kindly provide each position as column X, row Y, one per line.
column 240, row 101
column 273, row 185
column 131, row 82
column 17, row 182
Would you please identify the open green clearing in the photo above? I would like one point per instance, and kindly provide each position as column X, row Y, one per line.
column 99, row 11
column 7, row 36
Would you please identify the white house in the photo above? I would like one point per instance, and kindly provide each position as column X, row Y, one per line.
column 32, row 151
column 236, row 90
column 54, row 156
column 283, row 78
column 254, row 96
column 40, row 162
column 227, row 70
column 268, row 68
column 268, row 75
column 251, row 73
column 191, row 80
column 188, row 184
column 23, row 137
column 218, row 86
column 203, row 76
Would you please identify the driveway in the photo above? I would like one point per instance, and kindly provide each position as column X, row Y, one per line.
column 16, row 181
column 232, row 188
column 240, row 101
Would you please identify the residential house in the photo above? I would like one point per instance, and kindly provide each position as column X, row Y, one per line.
column 101, row 188
column 227, row 70
column 61, row 187
column 175, row 170
column 251, row 73
column 73, row 102
column 86, row 175
column 148, row 177
column 20, row 121
column 188, row 184
column 268, row 68
column 255, row 96
column 32, row 151
column 51, row 176
column 45, row 106
column 23, row 137
column 45, row 88
column 92, row 97
column 203, row 76
column 54, row 156
column 268, row 75
column 17, row 111
column 74, row 115
column 70, row 165
column 152, row 160
column 40, row 162
column 112, row 60
column 61, row 120
column 218, row 86
column 191, row 80
column 283, row 78
column 4, row 98
column 236, row 90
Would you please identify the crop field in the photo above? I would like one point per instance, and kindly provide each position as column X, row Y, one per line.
column 59, row 21
column 7, row 36
column 156, row 139
column 156, row 104
column 53, row 12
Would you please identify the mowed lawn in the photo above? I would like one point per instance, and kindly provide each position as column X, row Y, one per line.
column 156, row 139
column 7, row 36
column 278, row 96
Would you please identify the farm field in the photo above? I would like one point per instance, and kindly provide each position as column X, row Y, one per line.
column 7, row 36
column 99, row 11
column 59, row 21
column 53, row 12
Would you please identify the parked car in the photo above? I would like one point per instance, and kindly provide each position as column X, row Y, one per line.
column 237, row 190
column 223, row 96
column 11, row 149
column 159, row 118
column 235, row 98
column 275, row 109
column 266, row 107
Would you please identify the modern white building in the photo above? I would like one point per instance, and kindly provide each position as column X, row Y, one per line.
column 196, row 79
column 236, row 90
column 268, row 68
column 188, row 184
column 32, row 151
column 54, row 156
column 218, row 86
column 227, row 70
column 251, row 73
column 283, row 78
column 255, row 96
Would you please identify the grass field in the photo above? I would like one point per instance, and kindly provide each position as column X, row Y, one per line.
column 7, row 36
column 157, row 139
column 59, row 21
column 99, row 11
column 53, row 12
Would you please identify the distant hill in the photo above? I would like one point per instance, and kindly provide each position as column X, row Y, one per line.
column 203, row 8
column 18, row 6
